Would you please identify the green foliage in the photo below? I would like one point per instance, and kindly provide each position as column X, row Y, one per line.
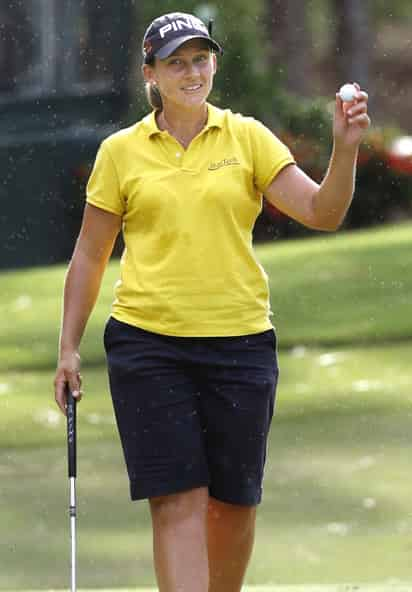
column 383, row 194
column 384, row 181
column 307, row 117
column 380, row 11
column 394, row 11
column 306, row 127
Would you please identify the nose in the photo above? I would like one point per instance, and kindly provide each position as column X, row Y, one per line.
column 192, row 69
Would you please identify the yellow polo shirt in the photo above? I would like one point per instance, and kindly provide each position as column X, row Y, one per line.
column 188, row 268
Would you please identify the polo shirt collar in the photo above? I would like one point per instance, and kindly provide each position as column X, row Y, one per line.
column 214, row 119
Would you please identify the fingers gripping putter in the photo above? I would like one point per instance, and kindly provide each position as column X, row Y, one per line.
column 71, row 449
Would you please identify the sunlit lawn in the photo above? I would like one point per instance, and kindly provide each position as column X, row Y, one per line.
column 338, row 481
column 392, row 587
column 337, row 492
column 336, row 288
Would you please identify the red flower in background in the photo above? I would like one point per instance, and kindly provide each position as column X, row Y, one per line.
column 400, row 155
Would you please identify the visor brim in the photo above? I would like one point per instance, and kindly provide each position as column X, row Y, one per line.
column 170, row 47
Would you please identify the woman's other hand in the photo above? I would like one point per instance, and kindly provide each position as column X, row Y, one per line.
column 351, row 120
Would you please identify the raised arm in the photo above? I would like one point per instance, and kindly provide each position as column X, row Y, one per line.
column 82, row 284
column 324, row 206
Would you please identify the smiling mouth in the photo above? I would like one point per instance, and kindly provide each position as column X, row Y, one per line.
column 192, row 88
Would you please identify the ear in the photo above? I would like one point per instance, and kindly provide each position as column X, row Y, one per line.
column 148, row 73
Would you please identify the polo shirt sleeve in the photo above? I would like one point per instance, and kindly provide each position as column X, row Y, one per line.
column 270, row 155
column 103, row 187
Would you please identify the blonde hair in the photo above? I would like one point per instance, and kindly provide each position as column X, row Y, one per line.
column 153, row 96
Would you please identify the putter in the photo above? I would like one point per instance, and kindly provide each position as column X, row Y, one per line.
column 71, row 449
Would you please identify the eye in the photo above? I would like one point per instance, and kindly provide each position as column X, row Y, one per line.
column 175, row 62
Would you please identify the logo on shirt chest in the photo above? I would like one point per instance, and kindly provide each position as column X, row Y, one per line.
column 214, row 166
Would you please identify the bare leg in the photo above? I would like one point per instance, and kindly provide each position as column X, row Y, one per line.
column 231, row 530
column 180, row 541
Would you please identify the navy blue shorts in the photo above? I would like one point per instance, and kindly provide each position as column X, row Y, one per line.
column 192, row 411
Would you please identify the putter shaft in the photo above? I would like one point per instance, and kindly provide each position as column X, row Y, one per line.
column 72, row 454
column 72, row 513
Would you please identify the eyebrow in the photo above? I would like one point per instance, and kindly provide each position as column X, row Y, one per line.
column 177, row 54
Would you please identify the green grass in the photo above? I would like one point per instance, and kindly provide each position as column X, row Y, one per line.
column 343, row 288
column 335, row 289
column 406, row 587
column 336, row 503
column 337, row 490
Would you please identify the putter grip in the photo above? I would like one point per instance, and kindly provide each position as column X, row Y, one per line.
column 71, row 433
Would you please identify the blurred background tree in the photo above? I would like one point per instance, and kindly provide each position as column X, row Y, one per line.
column 352, row 40
column 290, row 44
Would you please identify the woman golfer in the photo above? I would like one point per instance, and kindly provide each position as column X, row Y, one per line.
column 190, row 346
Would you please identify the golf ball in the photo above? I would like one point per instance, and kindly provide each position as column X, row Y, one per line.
column 348, row 92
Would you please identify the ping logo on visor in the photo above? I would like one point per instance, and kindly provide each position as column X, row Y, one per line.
column 189, row 22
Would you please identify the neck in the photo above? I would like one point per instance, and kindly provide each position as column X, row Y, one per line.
column 182, row 125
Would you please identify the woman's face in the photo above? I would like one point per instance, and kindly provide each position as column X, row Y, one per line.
column 185, row 78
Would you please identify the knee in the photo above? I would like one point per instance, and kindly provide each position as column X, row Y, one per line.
column 177, row 507
column 237, row 520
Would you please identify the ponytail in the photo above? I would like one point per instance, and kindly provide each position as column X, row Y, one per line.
column 153, row 97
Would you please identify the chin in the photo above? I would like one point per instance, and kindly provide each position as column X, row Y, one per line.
column 195, row 101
